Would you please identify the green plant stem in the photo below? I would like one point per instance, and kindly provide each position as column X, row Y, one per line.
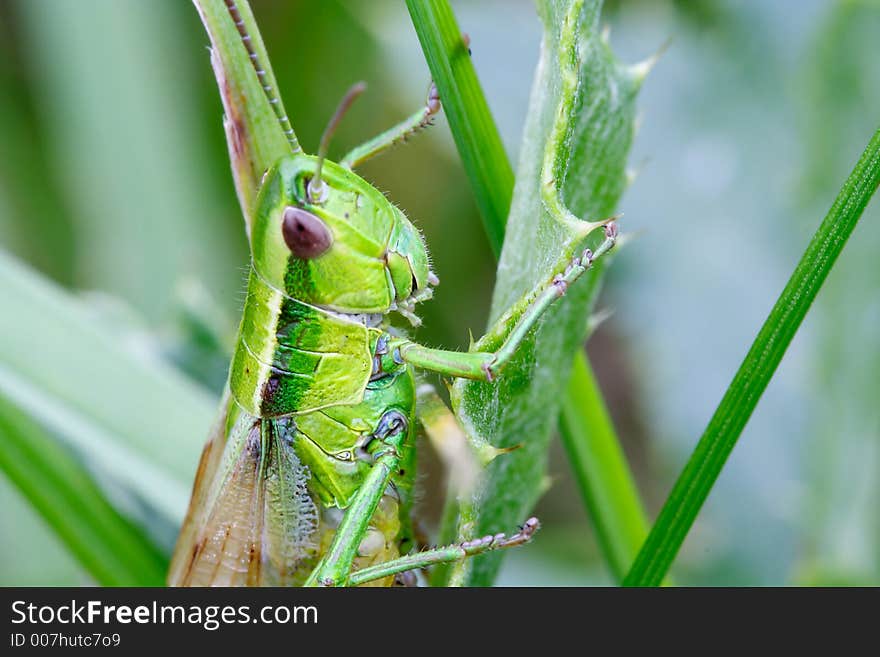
column 476, row 136
column 699, row 475
column 603, row 478
column 600, row 468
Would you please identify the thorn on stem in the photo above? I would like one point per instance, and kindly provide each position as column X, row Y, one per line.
column 560, row 284
column 611, row 231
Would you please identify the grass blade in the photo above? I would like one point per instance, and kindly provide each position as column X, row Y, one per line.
column 109, row 546
column 699, row 475
column 600, row 468
column 601, row 472
column 473, row 128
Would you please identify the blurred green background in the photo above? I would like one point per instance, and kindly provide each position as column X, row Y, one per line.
column 115, row 183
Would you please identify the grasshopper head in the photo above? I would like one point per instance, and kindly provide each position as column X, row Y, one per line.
column 346, row 249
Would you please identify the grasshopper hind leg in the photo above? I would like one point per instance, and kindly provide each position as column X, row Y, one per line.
column 511, row 329
column 446, row 554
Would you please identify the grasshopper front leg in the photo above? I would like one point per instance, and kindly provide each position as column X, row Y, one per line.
column 483, row 365
column 421, row 119
column 335, row 568
column 394, row 135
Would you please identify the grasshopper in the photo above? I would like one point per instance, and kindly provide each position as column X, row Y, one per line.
column 307, row 476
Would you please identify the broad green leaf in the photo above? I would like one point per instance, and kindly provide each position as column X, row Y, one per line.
column 111, row 547
column 47, row 561
column 23, row 167
column 590, row 158
column 598, row 463
column 124, row 144
column 138, row 423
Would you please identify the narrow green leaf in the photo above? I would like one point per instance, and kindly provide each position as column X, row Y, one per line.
column 730, row 418
column 514, row 482
column 253, row 133
column 479, row 144
column 113, row 549
column 601, row 471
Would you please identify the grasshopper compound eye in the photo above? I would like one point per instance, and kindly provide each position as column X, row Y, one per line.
column 305, row 234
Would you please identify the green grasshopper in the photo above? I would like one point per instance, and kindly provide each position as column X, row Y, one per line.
column 307, row 477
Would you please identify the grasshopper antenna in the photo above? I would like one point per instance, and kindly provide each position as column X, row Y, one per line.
column 316, row 188
column 271, row 94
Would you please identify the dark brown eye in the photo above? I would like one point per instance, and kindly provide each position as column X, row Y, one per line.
column 304, row 233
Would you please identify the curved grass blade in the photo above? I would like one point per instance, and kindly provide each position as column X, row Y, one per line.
column 730, row 418
column 622, row 525
column 127, row 412
column 113, row 549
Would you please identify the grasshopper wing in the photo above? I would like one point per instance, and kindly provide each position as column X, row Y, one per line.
column 251, row 518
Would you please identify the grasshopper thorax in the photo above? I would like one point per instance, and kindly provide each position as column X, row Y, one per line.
column 347, row 249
